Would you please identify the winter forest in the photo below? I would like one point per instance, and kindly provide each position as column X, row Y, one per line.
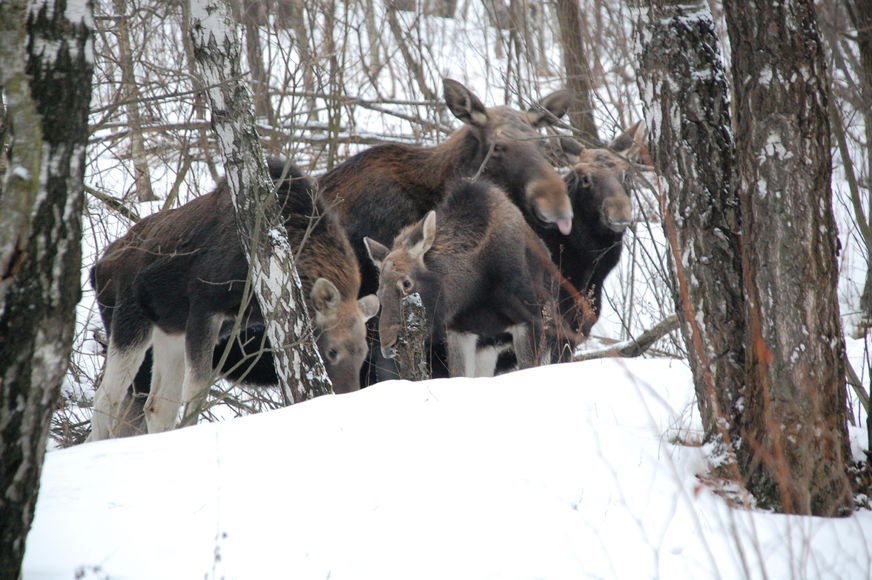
column 435, row 289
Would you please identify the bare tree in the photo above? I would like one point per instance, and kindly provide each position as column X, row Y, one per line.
column 275, row 280
column 768, row 360
column 795, row 395
column 578, row 77
column 45, row 74
column 692, row 148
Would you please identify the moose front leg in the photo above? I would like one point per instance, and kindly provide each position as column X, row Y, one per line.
column 461, row 353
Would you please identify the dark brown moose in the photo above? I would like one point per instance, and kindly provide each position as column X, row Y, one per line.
column 387, row 187
column 603, row 211
column 178, row 275
column 476, row 276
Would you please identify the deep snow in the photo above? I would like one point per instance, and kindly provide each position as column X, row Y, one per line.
column 566, row 471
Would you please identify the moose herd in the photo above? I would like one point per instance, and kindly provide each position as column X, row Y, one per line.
column 482, row 226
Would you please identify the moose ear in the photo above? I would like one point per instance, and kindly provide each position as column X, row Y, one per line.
column 368, row 306
column 325, row 298
column 428, row 235
column 571, row 149
column 629, row 143
column 549, row 109
column 377, row 252
column 464, row 104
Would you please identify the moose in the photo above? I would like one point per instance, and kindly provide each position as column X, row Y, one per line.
column 603, row 211
column 478, row 268
column 384, row 188
column 380, row 190
column 178, row 275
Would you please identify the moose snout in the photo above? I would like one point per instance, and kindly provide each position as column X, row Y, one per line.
column 617, row 213
column 551, row 203
column 388, row 339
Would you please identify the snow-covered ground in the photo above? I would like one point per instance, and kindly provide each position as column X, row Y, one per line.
column 567, row 471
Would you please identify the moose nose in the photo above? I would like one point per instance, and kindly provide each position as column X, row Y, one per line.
column 618, row 226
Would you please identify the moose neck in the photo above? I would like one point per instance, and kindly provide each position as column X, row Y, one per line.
column 460, row 155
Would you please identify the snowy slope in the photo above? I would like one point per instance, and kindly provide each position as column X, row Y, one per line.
column 567, row 471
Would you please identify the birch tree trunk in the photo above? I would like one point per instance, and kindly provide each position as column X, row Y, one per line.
column 275, row 280
column 795, row 396
column 45, row 72
column 684, row 88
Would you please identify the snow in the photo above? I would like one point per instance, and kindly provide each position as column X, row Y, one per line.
column 566, row 471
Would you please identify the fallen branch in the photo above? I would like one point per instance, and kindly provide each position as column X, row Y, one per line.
column 635, row 346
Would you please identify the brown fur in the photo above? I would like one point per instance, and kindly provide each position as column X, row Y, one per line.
column 473, row 269
column 181, row 269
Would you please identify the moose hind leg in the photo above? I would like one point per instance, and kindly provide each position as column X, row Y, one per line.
column 123, row 359
column 164, row 396
column 201, row 336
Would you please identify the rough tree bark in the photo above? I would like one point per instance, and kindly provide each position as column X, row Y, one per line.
column 795, row 397
column 577, row 71
column 684, row 89
column 45, row 72
column 753, row 241
column 275, row 281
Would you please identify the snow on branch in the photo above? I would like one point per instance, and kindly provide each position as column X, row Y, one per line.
column 635, row 346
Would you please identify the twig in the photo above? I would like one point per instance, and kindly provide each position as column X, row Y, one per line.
column 114, row 204
column 633, row 347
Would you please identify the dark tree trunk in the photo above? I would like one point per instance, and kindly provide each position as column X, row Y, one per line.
column 752, row 238
column 274, row 277
column 577, row 71
column 682, row 78
column 795, row 401
column 45, row 71
column 860, row 12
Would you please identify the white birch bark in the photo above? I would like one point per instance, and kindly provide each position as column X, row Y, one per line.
column 275, row 280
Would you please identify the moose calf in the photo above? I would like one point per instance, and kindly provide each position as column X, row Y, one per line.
column 177, row 275
column 478, row 269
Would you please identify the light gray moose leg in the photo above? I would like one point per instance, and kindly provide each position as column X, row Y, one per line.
column 122, row 363
column 461, row 354
column 168, row 372
column 522, row 342
column 200, row 340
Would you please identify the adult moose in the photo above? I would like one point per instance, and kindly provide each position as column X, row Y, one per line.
column 387, row 187
column 379, row 191
column 178, row 275
column 479, row 270
column 603, row 211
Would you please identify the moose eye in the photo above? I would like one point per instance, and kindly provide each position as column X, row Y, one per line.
column 332, row 355
column 584, row 180
column 406, row 285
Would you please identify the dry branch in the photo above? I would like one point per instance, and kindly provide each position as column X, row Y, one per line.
column 635, row 346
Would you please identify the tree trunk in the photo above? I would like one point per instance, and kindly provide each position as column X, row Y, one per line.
column 860, row 12
column 45, row 71
column 275, row 281
column 686, row 109
column 130, row 97
column 577, row 71
column 794, row 422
